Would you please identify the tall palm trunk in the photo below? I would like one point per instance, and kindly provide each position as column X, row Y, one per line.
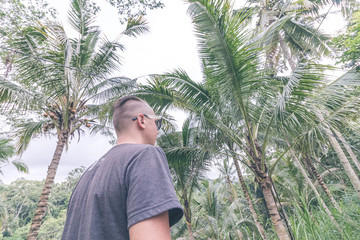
column 321, row 182
column 348, row 149
column 281, row 231
column 248, row 200
column 189, row 227
column 340, row 153
column 42, row 204
column 302, row 170
column 308, row 180
column 262, row 177
column 187, row 213
column 344, row 161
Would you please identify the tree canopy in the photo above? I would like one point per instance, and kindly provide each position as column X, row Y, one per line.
column 280, row 127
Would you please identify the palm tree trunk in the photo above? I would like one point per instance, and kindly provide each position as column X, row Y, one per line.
column 248, row 200
column 308, row 180
column 302, row 170
column 348, row 149
column 280, row 229
column 42, row 204
column 343, row 159
column 322, row 184
column 189, row 227
column 309, row 170
column 262, row 177
column 187, row 213
column 286, row 53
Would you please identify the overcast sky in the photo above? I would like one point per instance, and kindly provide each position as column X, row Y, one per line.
column 169, row 45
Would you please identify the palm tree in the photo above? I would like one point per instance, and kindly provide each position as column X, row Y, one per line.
column 333, row 103
column 347, row 146
column 284, row 34
column 65, row 84
column 288, row 30
column 230, row 150
column 282, row 26
column 231, row 66
column 188, row 162
column 6, row 152
column 319, row 179
column 227, row 172
column 217, row 219
column 248, row 105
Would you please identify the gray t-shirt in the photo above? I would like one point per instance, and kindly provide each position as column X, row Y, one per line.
column 129, row 184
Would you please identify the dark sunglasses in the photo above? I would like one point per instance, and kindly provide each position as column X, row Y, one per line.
column 158, row 120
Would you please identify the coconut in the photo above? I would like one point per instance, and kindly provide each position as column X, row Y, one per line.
column 46, row 115
column 88, row 125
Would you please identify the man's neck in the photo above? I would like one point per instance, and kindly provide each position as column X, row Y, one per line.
column 132, row 140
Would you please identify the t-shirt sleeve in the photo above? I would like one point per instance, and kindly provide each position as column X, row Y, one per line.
column 149, row 188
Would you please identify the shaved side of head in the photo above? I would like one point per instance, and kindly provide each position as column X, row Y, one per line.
column 127, row 108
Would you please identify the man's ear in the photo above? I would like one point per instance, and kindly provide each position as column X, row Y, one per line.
column 141, row 120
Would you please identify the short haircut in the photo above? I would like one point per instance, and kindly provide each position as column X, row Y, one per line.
column 125, row 109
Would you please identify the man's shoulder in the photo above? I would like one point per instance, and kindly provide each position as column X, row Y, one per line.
column 135, row 148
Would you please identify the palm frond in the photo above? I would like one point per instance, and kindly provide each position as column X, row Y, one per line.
column 13, row 95
column 175, row 90
column 303, row 37
column 224, row 45
column 81, row 17
column 136, row 27
column 111, row 88
column 20, row 166
column 6, row 149
column 106, row 60
column 268, row 35
column 37, row 68
column 26, row 131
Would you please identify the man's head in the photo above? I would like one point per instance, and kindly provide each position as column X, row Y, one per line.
column 133, row 121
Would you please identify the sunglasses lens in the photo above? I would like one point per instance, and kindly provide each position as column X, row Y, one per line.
column 158, row 123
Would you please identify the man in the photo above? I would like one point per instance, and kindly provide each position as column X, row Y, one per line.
column 128, row 193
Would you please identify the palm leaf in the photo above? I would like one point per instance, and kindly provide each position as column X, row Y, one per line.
column 25, row 132
column 136, row 27
column 304, row 37
column 20, row 166
column 13, row 95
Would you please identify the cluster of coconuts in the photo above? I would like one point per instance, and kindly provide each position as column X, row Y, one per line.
column 52, row 115
column 48, row 126
column 87, row 123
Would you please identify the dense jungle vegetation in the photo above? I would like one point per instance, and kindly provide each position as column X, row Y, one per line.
column 281, row 127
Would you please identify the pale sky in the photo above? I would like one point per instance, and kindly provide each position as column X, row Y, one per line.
column 169, row 45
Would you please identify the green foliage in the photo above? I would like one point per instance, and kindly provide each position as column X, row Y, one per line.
column 128, row 9
column 349, row 42
column 6, row 152
column 16, row 13
column 310, row 222
column 240, row 108
column 52, row 227
column 256, row 110
column 217, row 213
column 18, row 202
